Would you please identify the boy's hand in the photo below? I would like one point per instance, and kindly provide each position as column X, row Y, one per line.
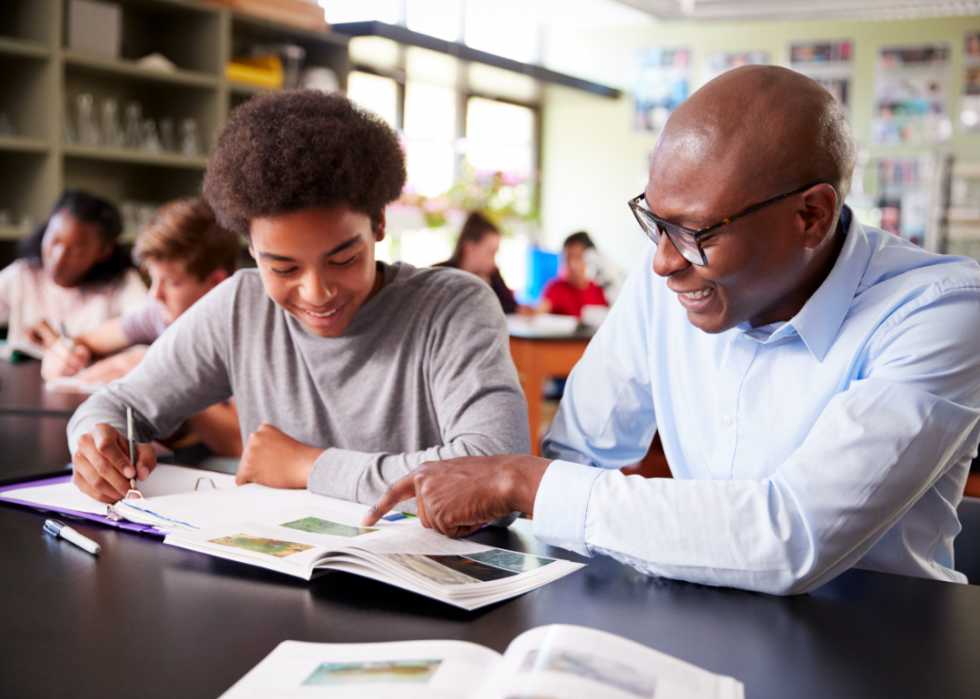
column 102, row 467
column 61, row 360
column 275, row 459
column 458, row 496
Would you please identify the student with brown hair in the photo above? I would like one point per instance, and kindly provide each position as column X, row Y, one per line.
column 568, row 294
column 186, row 253
column 476, row 253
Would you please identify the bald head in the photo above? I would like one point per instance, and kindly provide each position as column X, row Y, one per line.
column 756, row 132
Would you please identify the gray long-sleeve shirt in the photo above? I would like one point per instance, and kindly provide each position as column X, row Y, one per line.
column 422, row 373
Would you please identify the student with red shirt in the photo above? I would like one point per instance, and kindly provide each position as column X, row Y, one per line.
column 567, row 295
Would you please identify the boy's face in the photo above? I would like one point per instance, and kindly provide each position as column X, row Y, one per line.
column 318, row 264
column 177, row 289
column 575, row 264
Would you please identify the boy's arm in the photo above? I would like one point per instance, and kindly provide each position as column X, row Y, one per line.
column 184, row 372
column 218, row 428
column 478, row 401
column 63, row 359
column 105, row 339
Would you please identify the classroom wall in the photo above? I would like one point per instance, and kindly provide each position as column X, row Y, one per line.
column 592, row 163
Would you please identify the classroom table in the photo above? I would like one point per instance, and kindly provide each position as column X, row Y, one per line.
column 22, row 392
column 149, row 620
column 32, row 446
column 538, row 355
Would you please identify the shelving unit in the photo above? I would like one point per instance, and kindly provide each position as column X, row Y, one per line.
column 40, row 75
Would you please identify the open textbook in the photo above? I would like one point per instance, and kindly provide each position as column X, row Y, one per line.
column 549, row 662
column 302, row 534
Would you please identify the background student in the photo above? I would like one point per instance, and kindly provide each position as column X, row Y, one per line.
column 347, row 372
column 72, row 276
column 186, row 253
column 569, row 293
column 476, row 253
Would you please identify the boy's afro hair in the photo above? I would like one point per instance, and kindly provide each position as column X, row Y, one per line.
column 299, row 150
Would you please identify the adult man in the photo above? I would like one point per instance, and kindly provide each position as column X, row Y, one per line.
column 815, row 384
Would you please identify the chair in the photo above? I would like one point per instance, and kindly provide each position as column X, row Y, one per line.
column 966, row 546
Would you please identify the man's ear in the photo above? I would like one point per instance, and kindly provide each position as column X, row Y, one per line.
column 379, row 230
column 819, row 207
column 251, row 251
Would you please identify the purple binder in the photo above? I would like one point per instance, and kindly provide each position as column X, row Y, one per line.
column 75, row 514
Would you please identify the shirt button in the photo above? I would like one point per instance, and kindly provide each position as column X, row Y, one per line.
column 726, row 421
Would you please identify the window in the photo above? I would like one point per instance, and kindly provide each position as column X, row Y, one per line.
column 500, row 137
column 375, row 93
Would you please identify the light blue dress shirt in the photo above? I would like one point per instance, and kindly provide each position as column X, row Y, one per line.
column 839, row 438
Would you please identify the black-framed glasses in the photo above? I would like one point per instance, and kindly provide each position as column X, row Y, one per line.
column 688, row 241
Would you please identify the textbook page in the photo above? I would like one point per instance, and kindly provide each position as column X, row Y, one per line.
column 407, row 670
column 325, row 533
column 574, row 662
column 163, row 481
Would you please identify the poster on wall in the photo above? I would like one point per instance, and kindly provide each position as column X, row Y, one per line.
column 911, row 95
column 970, row 99
column 662, row 83
column 827, row 62
column 718, row 62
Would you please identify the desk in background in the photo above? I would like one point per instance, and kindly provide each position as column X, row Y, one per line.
column 538, row 355
column 22, row 392
column 174, row 623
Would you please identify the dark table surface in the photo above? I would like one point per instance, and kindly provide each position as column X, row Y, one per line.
column 152, row 620
column 22, row 392
column 32, row 446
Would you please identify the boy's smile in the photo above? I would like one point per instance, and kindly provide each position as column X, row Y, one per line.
column 318, row 264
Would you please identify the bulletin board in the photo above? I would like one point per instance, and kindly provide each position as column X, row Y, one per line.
column 662, row 82
column 911, row 95
column 970, row 97
column 827, row 62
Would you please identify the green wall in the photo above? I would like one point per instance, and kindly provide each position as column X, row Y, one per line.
column 592, row 161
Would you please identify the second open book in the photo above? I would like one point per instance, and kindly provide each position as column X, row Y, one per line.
column 549, row 662
column 301, row 534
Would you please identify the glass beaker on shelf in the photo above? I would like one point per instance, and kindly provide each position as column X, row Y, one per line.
column 112, row 133
column 134, row 125
column 151, row 142
column 88, row 126
column 189, row 144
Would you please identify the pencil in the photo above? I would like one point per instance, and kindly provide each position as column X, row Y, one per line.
column 132, row 444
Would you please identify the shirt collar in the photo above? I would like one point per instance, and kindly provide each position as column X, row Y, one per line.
column 820, row 319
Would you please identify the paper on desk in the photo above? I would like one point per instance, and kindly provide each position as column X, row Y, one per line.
column 165, row 480
column 69, row 384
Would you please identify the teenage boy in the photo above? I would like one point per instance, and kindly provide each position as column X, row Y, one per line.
column 186, row 254
column 347, row 372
